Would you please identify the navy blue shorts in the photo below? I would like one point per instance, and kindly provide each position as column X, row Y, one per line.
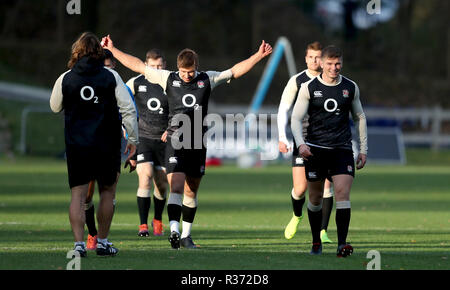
column 326, row 163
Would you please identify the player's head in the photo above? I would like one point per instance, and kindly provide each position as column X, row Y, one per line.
column 187, row 63
column 331, row 61
column 86, row 45
column 109, row 61
column 312, row 56
column 155, row 59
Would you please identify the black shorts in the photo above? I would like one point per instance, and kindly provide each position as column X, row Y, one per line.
column 188, row 161
column 153, row 151
column 86, row 164
column 297, row 160
column 326, row 163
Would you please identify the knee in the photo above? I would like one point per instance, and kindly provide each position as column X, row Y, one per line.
column 299, row 191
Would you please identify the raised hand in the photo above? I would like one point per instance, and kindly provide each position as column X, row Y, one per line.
column 107, row 42
column 264, row 49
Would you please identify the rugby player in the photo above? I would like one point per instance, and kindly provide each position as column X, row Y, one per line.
column 153, row 110
column 90, row 94
column 328, row 100
column 312, row 59
column 188, row 91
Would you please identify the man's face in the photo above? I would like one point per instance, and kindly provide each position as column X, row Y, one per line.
column 312, row 59
column 156, row 63
column 109, row 63
column 187, row 74
column 331, row 67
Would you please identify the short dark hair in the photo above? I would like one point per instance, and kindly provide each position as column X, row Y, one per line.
column 187, row 58
column 331, row 51
column 313, row 46
column 154, row 53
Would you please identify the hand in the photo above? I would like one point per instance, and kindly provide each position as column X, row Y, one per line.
column 304, row 151
column 283, row 147
column 107, row 43
column 264, row 49
column 132, row 164
column 361, row 161
column 130, row 150
column 164, row 136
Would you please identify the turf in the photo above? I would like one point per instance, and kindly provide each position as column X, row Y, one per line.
column 400, row 211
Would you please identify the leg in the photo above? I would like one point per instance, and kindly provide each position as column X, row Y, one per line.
column 159, row 199
column 105, row 211
column 90, row 211
column 189, row 203
column 145, row 174
column 90, row 218
column 297, row 199
column 327, row 207
column 342, row 185
column 77, row 215
column 174, row 204
column 300, row 186
column 315, row 208
column 160, row 192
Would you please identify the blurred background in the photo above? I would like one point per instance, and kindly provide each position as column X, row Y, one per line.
column 396, row 50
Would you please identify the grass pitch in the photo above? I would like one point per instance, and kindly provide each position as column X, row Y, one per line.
column 400, row 211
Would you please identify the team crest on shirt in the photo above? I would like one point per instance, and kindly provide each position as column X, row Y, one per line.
column 176, row 84
column 345, row 93
column 173, row 160
column 318, row 94
column 200, row 84
column 142, row 89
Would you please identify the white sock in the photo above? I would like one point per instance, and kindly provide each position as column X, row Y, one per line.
column 103, row 241
column 186, row 230
column 174, row 226
column 80, row 244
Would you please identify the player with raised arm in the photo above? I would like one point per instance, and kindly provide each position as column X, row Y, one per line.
column 153, row 109
column 312, row 59
column 188, row 91
column 328, row 100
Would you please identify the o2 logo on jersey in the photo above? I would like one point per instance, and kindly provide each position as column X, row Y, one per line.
column 189, row 101
column 87, row 96
column 153, row 108
column 333, row 107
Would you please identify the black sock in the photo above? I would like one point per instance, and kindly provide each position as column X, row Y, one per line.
column 327, row 206
column 297, row 205
column 90, row 220
column 143, row 207
column 159, row 207
column 189, row 213
column 315, row 221
column 342, row 223
column 174, row 212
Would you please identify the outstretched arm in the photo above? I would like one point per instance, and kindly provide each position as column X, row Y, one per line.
column 245, row 66
column 131, row 62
